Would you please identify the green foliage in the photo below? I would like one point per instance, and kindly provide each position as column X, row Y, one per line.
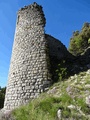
column 66, row 113
column 80, row 40
column 67, row 93
column 89, row 41
column 81, row 103
column 61, row 71
column 40, row 109
column 2, row 96
column 45, row 108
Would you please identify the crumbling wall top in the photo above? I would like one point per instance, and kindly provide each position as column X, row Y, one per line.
column 31, row 6
column 31, row 12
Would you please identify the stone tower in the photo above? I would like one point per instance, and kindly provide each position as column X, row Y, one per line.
column 29, row 71
column 35, row 56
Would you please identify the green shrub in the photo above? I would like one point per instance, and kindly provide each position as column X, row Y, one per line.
column 44, row 108
column 80, row 40
column 66, row 113
column 61, row 71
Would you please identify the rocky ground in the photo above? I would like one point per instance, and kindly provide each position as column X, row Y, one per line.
column 78, row 88
column 72, row 98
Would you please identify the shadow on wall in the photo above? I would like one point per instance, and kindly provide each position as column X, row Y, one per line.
column 62, row 63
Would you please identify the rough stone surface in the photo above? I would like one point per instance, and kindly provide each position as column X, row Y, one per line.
column 59, row 116
column 29, row 73
column 56, row 48
column 88, row 101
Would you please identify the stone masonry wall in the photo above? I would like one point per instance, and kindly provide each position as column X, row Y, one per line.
column 35, row 56
column 57, row 52
column 29, row 74
column 56, row 48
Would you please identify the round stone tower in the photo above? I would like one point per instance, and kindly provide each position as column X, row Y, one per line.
column 29, row 68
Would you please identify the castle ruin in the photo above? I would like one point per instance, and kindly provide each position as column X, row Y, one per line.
column 33, row 50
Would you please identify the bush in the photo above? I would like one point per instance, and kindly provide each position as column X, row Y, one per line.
column 80, row 40
column 61, row 71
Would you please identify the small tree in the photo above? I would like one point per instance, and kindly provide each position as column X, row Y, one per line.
column 80, row 40
column 61, row 71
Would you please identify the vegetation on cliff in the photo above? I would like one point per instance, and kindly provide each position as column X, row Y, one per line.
column 80, row 40
column 70, row 96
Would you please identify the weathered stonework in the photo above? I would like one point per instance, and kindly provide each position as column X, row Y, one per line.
column 29, row 73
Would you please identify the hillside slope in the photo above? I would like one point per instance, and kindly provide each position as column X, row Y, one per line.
column 71, row 96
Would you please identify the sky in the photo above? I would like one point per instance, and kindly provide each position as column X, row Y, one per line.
column 62, row 18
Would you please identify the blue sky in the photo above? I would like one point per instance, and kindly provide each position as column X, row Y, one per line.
column 62, row 18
